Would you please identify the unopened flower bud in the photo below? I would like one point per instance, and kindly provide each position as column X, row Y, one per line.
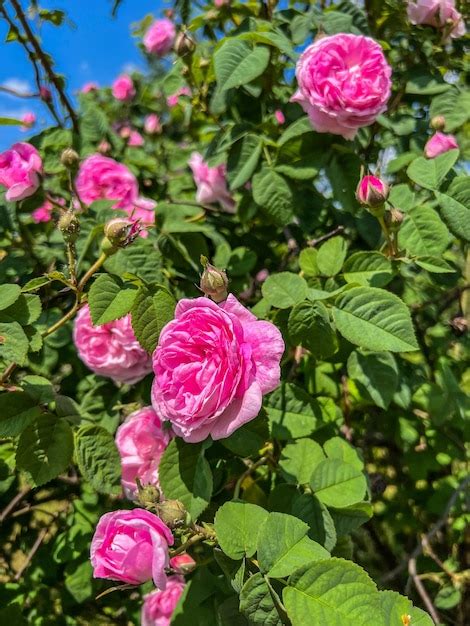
column 184, row 44
column 69, row 226
column 394, row 218
column 121, row 231
column 372, row 191
column 69, row 158
column 183, row 563
column 214, row 282
column 45, row 94
column 104, row 147
column 172, row 513
column 148, row 496
column 459, row 325
column 438, row 122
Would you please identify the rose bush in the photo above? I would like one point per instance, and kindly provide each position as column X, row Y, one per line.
column 234, row 307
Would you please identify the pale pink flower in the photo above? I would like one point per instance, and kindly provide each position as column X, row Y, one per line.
column 132, row 547
column 43, row 213
column 152, row 124
column 159, row 37
column 159, row 605
column 104, row 147
column 211, row 183
column 91, row 86
column 221, row 3
column 110, row 350
column 280, row 117
column 28, row 119
column 439, row 14
column 135, row 139
column 173, row 100
column 372, row 191
column 344, row 83
column 141, row 441
column 183, row 563
column 212, row 365
column 20, row 167
column 123, row 88
column 438, row 144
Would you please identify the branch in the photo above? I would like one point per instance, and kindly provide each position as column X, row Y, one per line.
column 18, row 94
column 12, row 504
column 337, row 231
column 32, row 552
column 422, row 591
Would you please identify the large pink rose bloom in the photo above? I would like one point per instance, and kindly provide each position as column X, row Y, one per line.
column 437, row 13
column 211, row 183
column 141, row 441
column 20, row 167
column 438, row 144
column 110, row 350
column 131, row 546
column 159, row 37
column 123, row 88
column 212, row 365
column 158, row 606
column 344, row 83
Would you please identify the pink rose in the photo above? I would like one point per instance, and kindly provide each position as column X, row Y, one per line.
column 280, row 117
column 131, row 546
column 135, row 139
column 371, row 191
column 20, row 167
column 173, row 100
column 43, row 213
column 28, row 119
column 141, row 441
column 183, row 563
column 344, row 83
column 211, row 183
column 123, row 88
column 159, row 37
column 212, row 365
column 437, row 13
column 438, row 144
column 158, row 606
column 221, row 3
column 152, row 124
column 110, row 350
column 91, row 86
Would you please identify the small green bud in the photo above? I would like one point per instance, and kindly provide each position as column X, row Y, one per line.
column 214, row 282
column 69, row 158
column 69, row 226
column 172, row 513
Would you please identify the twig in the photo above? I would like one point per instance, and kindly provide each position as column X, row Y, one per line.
column 262, row 461
column 18, row 94
column 16, row 500
column 422, row 591
column 32, row 552
column 191, row 542
column 337, row 231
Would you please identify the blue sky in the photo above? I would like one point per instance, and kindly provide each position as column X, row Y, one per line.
column 98, row 48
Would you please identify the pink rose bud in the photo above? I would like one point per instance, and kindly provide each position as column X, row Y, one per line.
column 221, row 3
column 159, row 37
column 43, row 213
column 88, row 87
column 135, row 139
column 152, row 125
column 440, row 14
column 184, row 44
column 28, row 119
column 214, row 282
column 123, row 88
column 372, row 191
column 438, row 144
column 141, row 441
column 280, row 117
column 262, row 275
column 211, row 183
column 69, row 158
column 158, row 606
column 225, row 344
column 344, row 83
column 183, row 563
column 132, row 547
column 121, row 231
column 438, row 122
column 104, row 147
column 20, row 167
column 69, row 226
column 45, row 94
column 110, row 350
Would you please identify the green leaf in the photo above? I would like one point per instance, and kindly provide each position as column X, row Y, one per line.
column 25, row 310
column 423, row 82
column 331, row 592
column 237, row 63
column 243, row 159
column 249, row 438
column 349, row 519
column 376, row 374
column 423, row 232
column 393, row 607
column 455, row 206
column 375, row 319
column 336, row 483
column 185, row 475
column 8, row 295
column 310, row 510
column 309, row 325
column 9, row 121
column 297, row 128
column 38, row 388
column 140, row 259
column 308, row 261
column 339, row 448
column 17, row 410
column 284, row 290
column 150, row 313
column 331, row 256
column 110, row 298
column 98, row 458
column 283, row 546
column 36, row 283
column 370, row 269
column 78, row 581
column 14, row 344
column 435, row 265
column 299, row 459
column 237, row 525
column 45, row 448
column 256, row 602
column 429, row 173
column 454, row 105
column 273, row 194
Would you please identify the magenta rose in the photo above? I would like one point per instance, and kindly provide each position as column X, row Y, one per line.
column 438, row 13
column 131, row 546
column 152, row 124
column 141, row 441
column 110, row 350
column 28, row 121
column 372, row 191
column 159, row 605
column 183, row 563
column 123, row 88
column 212, row 365
column 438, row 144
column 211, row 183
column 159, row 37
column 20, row 167
column 344, row 83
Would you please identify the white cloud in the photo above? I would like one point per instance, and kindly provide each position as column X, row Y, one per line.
column 128, row 68
column 17, row 84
